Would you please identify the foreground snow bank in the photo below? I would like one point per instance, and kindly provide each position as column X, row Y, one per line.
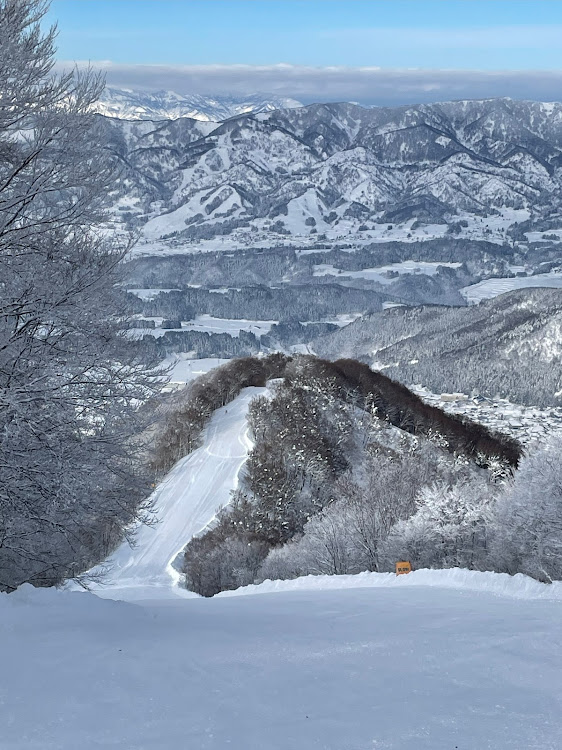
column 518, row 586
column 393, row 667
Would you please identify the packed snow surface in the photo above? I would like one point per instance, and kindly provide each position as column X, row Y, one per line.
column 185, row 503
column 517, row 586
column 418, row 663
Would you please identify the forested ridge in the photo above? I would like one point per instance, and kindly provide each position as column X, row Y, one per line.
column 508, row 346
column 329, row 431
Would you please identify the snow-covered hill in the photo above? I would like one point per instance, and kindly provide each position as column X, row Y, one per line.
column 134, row 104
column 508, row 346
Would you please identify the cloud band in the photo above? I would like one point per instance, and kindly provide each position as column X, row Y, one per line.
column 365, row 85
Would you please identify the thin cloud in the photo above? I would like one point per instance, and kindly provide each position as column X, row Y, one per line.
column 309, row 84
column 472, row 38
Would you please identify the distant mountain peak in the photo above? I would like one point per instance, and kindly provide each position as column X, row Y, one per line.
column 135, row 104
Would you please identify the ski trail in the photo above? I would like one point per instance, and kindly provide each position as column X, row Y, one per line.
column 185, row 503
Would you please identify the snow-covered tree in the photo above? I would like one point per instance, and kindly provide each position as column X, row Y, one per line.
column 283, row 563
column 327, row 544
column 371, row 510
column 448, row 530
column 527, row 524
column 71, row 475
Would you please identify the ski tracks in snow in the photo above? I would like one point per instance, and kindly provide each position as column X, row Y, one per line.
column 185, row 503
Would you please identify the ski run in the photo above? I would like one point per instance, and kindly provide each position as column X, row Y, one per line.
column 185, row 503
column 436, row 660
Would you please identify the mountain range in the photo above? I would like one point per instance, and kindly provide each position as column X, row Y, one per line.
column 474, row 168
column 133, row 104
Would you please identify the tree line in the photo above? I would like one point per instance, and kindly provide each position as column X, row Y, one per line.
column 294, row 302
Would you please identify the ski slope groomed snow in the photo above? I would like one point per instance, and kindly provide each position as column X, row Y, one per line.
column 434, row 660
column 403, row 666
column 185, row 503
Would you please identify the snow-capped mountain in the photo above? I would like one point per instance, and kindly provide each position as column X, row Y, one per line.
column 338, row 168
column 128, row 104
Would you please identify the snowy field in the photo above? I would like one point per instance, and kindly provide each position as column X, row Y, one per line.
column 540, row 236
column 148, row 294
column 490, row 228
column 493, row 287
column 232, row 326
column 426, row 666
column 184, row 368
column 380, row 274
column 209, row 324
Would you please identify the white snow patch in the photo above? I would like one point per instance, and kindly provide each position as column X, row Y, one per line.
column 209, row 324
column 475, row 293
column 185, row 368
column 148, row 294
column 381, row 274
column 539, row 236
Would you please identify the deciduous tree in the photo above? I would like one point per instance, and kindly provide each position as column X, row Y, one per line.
column 71, row 470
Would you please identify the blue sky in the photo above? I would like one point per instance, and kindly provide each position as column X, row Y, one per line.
column 483, row 34
column 466, row 35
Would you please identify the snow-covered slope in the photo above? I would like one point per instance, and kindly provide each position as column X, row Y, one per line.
column 435, row 659
column 489, row 288
column 517, row 587
column 509, row 345
column 134, row 104
column 185, row 502
column 400, row 667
